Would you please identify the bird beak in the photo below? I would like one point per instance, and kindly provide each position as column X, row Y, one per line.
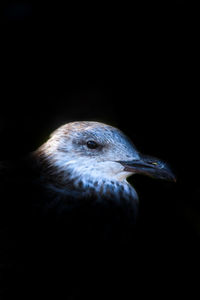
column 149, row 166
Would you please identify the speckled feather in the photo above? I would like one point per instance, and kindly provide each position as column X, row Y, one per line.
column 68, row 168
column 67, row 208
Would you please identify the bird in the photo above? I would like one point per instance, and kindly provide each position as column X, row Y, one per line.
column 68, row 206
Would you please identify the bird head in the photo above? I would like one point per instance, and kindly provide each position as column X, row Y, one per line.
column 95, row 152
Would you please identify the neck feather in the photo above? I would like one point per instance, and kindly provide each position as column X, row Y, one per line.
column 66, row 182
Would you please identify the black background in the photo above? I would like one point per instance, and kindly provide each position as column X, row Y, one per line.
column 132, row 67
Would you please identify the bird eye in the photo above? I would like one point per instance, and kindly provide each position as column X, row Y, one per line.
column 92, row 144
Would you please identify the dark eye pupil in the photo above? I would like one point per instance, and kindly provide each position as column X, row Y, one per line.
column 92, row 144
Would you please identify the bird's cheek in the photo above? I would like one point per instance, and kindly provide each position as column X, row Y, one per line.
column 112, row 169
column 119, row 173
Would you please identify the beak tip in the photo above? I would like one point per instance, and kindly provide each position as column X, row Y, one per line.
column 170, row 175
column 174, row 179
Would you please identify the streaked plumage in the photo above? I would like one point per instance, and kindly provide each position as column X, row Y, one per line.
column 68, row 200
